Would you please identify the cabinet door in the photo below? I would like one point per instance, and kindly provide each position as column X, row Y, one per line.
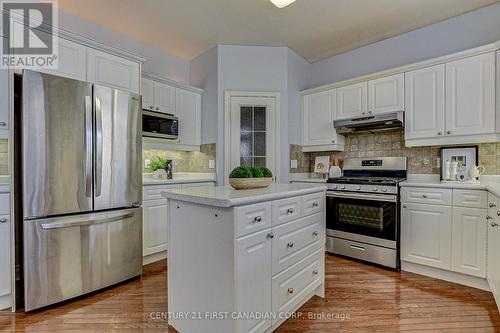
column 352, row 101
column 147, row 92
column 469, row 241
column 155, row 226
column 424, row 103
column 5, row 272
column 4, row 99
column 112, row 71
column 470, row 95
column 426, row 235
column 493, row 250
column 164, row 100
column 253, row 280
column 386, row 94
column 318, row 114
column 189, row 112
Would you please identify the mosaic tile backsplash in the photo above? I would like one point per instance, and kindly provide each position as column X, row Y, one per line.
column 184, row 161
column 421, row 160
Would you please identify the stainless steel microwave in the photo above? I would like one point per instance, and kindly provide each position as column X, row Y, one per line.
column 160, row 125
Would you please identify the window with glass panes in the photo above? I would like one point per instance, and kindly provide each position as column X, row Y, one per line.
column 253, row 136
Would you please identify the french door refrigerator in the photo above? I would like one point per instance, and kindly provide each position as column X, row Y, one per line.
column 81, row 187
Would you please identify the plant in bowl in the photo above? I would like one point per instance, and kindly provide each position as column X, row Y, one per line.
column 242, row 178
column 158, row 166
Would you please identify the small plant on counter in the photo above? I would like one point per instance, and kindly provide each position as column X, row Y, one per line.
column 266, row 172
column 158, row 163
column 242, row 178
column 241, row 172
column 257, row 172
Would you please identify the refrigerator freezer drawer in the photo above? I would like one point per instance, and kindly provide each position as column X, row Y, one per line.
column 69, row 256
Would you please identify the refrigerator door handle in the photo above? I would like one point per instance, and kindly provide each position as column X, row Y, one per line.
column 88, row 147
column 98, row 145
column 83, row 221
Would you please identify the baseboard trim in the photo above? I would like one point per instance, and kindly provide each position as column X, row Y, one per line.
column 146, row 260
column 5, row 301
column 463, row 279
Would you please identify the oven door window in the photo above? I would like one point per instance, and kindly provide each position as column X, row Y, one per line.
column 365, row 217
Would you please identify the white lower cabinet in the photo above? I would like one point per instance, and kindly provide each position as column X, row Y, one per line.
column 254, row 275
column 5, row 252
column 469, row 241
column 155, row 228
column 426, row 234
column 493, row 248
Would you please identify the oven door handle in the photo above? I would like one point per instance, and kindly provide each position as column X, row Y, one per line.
column 363, row 196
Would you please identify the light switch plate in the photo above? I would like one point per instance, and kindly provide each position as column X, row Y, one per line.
column 293, row 164
column 146, row 163
column 211, row 164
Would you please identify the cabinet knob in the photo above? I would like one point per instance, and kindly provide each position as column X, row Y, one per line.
column 315, row 233
column 290, row 290
column 151, row 107
column 498, row 212
column 270, row 235
column 290, row 211
column 315, row 272
column 157, row 108
column 3, row 123
column 315, row 204
column 448, row 132
column 370, row 112
column 405, row 206
column 333, row 141
column 257, row 219
column 491, row 205
column 3, row 220
column 424, row 196
column 363, row 112
column 440, row 133
column 289, row 245
column 488, row 217
column 494, row 224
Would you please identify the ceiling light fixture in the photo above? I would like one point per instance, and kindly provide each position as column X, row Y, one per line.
column 282, row 3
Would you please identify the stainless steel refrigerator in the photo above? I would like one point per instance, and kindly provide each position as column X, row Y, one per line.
column 81, row 187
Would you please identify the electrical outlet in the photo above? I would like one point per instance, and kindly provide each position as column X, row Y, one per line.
column 146, row 163
column 211, row 164
column 293, row 164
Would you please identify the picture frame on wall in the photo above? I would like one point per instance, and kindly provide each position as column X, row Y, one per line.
column 460, row 160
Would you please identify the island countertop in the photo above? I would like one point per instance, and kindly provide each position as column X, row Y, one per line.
column 226, row 196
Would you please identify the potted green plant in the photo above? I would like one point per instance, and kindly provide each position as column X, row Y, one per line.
column 245, row 178
column 161, row 168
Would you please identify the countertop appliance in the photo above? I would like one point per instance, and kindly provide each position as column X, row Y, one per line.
column 363, row 210
column 370, row 123
column 160, row 125
column 81, row 187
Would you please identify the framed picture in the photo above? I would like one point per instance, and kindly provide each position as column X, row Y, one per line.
column 465, row 158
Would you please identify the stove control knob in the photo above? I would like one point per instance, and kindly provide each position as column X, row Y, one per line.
column 375, row 189
column 358, row 188
column 335, row 187
column 342, row 187
column 384, row 189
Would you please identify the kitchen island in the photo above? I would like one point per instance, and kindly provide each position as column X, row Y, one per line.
column 243, row 261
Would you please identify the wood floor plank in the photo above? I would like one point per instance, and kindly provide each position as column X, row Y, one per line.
column 359, row 297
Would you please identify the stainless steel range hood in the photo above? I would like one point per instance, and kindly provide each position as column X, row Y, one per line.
column 382, row 122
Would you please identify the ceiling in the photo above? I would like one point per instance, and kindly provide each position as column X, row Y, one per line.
column 315, row 29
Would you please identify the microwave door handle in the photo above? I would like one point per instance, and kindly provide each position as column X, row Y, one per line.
column 98, row 147
column 372, row 197
column 88, row 147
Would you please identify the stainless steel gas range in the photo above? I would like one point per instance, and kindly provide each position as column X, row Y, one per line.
column 363, row 213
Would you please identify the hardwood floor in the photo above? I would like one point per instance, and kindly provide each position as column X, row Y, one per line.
column 359, row 298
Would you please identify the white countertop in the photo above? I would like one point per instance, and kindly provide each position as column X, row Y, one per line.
column 226, row 196
column 487, row 183
column 307, row 178
column 179, row 178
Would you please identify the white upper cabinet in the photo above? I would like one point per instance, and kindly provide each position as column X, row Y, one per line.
column 318, row 115
column 164, row 97
column 147, row 92
column 188, row 109
column 469, row 241
column 424, row 102
column 352, row 100
column 72, row 60
column 470, row 95
column 386, row 94
column 112, row 71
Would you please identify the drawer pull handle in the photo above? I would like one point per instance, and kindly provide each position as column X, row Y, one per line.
column 257, row 219
column 3, row 123
column 494, row 224
column 315, row 233
column 488, row 217
column 498, row 212
column 289, row 245
column 492, row 205
column 3, row 220
column 270, row 235
column 424, row 196
column 357, row 247
column 315, row 272
column 290, row 211
column 290, row 290
column 315, row 204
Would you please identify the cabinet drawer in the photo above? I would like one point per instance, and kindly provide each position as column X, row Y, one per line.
column 470, row 198
column 313, row 203
column 153, row 192
column 4, row 203
column 291, row 286
column 285, row 210
column 252, row 218
column 296, row 240
column 435, row 196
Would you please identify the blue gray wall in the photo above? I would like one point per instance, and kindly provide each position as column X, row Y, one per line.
column 470, row 30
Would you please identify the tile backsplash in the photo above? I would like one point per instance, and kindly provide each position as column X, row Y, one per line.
column 421, row 160
column 184, row 161
column 4, row 157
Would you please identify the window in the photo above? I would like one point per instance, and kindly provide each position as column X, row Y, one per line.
column 253, row 136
